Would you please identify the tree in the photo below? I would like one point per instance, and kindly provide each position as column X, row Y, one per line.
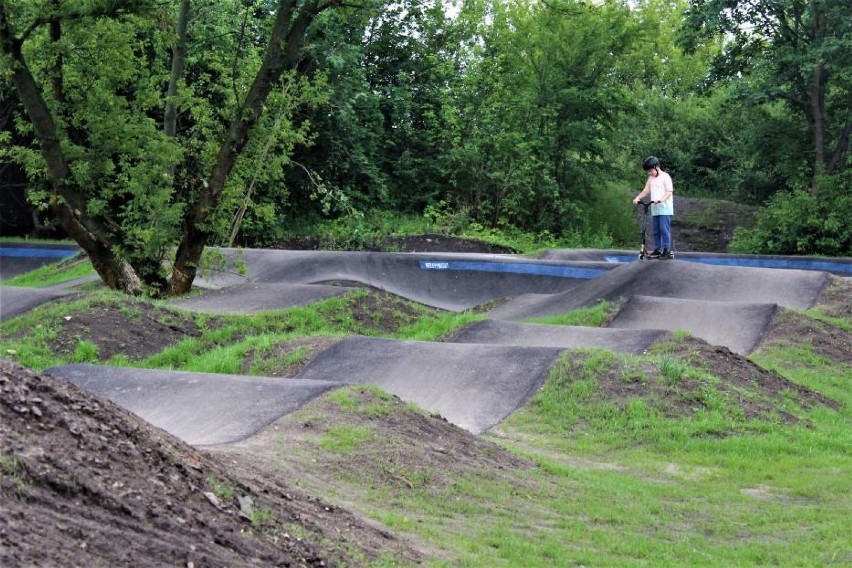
column 799, row 52
column 541, row 101
column 97, row 82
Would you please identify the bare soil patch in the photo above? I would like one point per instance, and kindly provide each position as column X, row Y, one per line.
column 85, row 483
column 137, row 330
column 791, row 329
column 442, row 243
column 708, row 225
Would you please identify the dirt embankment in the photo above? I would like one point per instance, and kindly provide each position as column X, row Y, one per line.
column 85, row 483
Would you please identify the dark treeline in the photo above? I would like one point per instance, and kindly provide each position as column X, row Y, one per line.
column 516, row 115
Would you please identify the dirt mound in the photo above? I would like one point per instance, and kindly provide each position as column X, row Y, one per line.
column 85, row 483
column 135, row 329
column 836, row 299
column 360, row 439
column 708, row 225
column 792, row 329
column 692, row 376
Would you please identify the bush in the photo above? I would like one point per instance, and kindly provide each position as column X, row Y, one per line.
column 794, row 222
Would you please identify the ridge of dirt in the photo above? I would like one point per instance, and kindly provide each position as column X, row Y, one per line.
column 399, row 448
column 790, row 328
column 377, row 311
column 285, row 359
column 85, row 483
column 836, row 299
column 738, row 373
column 135, row 329
column 712, row 377
column 699, row 225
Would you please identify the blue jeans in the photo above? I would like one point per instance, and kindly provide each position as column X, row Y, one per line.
column 662, row 232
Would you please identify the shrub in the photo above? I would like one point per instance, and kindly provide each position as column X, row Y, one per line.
column 794, row 222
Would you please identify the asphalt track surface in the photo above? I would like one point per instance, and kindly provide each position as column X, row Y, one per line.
column 487, row 370
column 199, row 408
column 16, row 300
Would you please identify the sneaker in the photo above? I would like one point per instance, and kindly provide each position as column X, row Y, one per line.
column 655, row 254
column 667, row 254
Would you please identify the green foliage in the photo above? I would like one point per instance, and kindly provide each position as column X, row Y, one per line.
column 788, row 51
column 139, row 188
column 372, row 229
column 794, row 222
column 515, row 122
column 85, row 352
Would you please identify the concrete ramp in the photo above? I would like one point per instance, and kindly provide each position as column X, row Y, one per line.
column 560, row 336
column 253, row 297
column 454, row 282
column 472, row 385
column 199, row 408
column 737, row 326
column 798, row 289
column 16, row 300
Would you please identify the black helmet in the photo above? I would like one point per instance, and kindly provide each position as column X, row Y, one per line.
column 651, row 162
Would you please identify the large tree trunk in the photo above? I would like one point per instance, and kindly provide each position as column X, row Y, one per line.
column 841, row 149
column 282, row 53
column 67, row 204
column 817, row 115
column 178, row 65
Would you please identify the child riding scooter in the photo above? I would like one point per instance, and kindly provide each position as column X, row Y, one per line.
column 659, row 186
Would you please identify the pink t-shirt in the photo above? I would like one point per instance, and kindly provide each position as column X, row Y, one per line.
column 660, row 186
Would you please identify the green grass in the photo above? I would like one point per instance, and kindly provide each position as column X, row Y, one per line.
column 631, row 487
column 85, row 352
column 435, row 328
column 378, row 404
column 593, row 316
column 10, row 468
column 224, row 341
column 345, row 439
column 842, row 323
